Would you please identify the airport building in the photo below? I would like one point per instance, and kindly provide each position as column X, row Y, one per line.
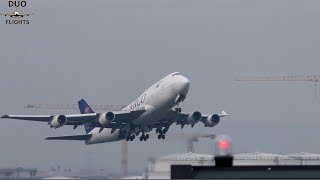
column 160, row 168
column 18, row 172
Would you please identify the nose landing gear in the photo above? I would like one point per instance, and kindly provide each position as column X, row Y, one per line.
column 178, row 108
column 161, row 136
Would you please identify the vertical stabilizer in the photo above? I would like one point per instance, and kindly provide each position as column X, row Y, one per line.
column 86, row 109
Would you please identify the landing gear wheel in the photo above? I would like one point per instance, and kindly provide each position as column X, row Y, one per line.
column 141, row 138
column 147, row 136
column 163, row 136
column 132, row 137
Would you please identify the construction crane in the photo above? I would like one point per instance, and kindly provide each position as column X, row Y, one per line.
column 190, row 138
column 308, row 78
column 74, row 107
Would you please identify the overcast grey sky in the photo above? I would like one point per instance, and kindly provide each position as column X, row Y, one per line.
column 109, row 52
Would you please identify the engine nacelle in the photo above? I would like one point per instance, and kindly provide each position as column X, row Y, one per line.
column 106, row 118
column 194, row 117
column 212, row 120
column 58, row 121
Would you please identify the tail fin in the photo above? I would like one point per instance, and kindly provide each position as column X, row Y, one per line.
column 86, row 109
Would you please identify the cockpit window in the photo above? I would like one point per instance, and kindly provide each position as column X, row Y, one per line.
column 174, row 74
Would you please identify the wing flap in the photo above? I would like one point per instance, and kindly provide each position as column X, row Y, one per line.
column 76, row 137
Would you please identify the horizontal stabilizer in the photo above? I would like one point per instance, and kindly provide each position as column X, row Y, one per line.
column 77, row 137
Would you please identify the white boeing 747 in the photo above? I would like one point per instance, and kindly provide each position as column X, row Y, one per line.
column 157, row 108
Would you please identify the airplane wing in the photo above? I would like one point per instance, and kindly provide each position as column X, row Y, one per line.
column 72, row 119
column 182, row 119
column 6, row 14
column 76, row 137
column 121, row 117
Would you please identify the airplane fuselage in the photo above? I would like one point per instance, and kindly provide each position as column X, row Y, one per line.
column 157, row 100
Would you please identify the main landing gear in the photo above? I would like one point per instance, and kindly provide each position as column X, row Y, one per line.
column 130, row 138
column 144, row 137
column 123, row 134
column 162, row 132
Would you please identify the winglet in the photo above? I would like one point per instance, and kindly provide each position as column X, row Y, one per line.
column 5, row 116
column 223, row 113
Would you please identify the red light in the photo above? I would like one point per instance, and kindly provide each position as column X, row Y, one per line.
column 223, row 145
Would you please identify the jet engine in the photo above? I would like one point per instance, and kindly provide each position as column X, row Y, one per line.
column 212, row 120
column 194, row 117
column 58, row 121
column 106, row 118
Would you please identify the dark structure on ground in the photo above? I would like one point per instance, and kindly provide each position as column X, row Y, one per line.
column 17, row 172
column 225, row 170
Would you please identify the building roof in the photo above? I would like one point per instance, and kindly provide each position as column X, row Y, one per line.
column 303, row 155
column 243, row 156
column 257, row 155
column 186, row 156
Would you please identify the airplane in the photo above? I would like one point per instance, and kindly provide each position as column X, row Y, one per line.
column 16, row 14
column 157, row 108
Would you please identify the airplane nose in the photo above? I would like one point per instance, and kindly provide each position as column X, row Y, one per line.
column 186, row 82
column 184, row 85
